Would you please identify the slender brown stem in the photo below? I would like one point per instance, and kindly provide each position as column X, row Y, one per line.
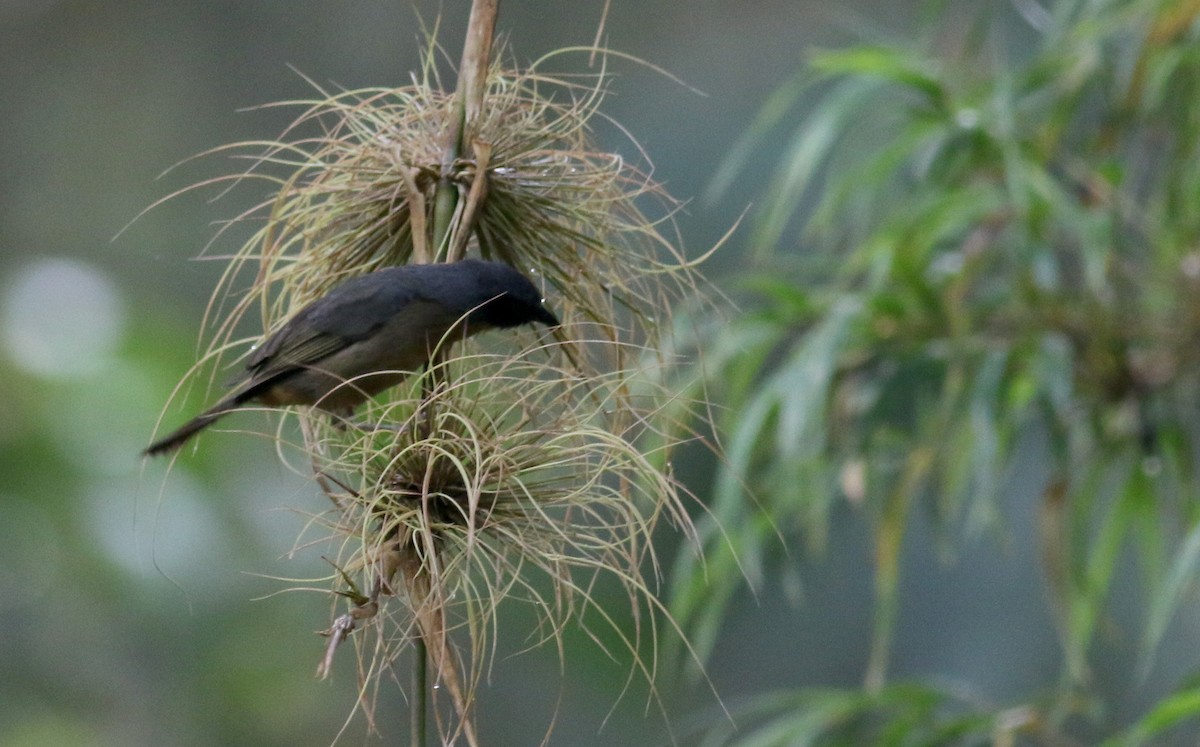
column 477, row 55
column 475, row 198
column 416, row 214
column 435, row 649
column 468, row 102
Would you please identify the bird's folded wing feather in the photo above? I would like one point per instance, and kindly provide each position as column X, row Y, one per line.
column 326, row 327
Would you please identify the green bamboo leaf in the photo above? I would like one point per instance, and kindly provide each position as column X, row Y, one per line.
column 778, row 105
column 1087, row 600
column 858, row 187
column 802, row 383
column 1147, row 535
column 1168, row 713
column 731, row 503
column 702, row 588
column 912, row 70
column 1166, row 599
column 986, row 440
column 804, row 720
column 901, row 715
column 809, row 149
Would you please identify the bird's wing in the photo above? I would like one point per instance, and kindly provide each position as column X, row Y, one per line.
column 352, row 313
column 298, row 350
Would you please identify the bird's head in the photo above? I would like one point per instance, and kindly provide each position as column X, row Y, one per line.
column 509, row 298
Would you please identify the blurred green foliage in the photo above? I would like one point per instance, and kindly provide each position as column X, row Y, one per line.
column 114, row 650
column 999, row 248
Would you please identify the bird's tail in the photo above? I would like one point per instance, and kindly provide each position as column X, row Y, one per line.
column 180, row 436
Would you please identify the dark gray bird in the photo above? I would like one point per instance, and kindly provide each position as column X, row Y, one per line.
column 370, row 333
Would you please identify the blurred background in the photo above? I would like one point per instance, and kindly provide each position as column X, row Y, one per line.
column 135, row 605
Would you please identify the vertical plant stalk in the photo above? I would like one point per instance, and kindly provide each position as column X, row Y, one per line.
column 416, row 211
column 429, row 609
column 468, row 102
column 433, row 644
